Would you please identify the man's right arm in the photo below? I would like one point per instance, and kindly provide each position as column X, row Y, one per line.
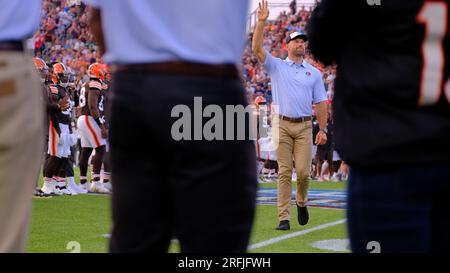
column 53, row 99
column 258, row 34
column 257, row 42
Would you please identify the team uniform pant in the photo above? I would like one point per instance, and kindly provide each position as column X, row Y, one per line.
column 59, row 145
column 90, row 133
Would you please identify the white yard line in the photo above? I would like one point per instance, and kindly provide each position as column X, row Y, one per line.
column 295, row 234
column 108, row 236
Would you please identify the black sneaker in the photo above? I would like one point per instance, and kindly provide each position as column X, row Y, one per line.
column 284, row 225
column 39, row 193
column 302, row 215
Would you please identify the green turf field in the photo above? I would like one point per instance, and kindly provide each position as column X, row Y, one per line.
column 85, row 219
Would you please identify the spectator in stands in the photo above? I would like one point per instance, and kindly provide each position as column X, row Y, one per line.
column 293, row 6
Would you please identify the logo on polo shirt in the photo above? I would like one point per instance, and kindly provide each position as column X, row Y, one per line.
column 308, row 73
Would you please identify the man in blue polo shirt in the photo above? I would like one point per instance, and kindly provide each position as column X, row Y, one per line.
column 296, row 85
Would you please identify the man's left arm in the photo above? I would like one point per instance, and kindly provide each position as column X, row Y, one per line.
column 320, row 99
column 321, row 114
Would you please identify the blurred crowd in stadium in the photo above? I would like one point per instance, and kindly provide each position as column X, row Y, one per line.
column 64, row 37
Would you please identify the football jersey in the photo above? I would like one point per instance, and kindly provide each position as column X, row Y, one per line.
column 57, row 93
column 85, row 92
column 392, row 90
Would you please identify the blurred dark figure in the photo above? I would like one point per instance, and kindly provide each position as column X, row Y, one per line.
column 392, row 117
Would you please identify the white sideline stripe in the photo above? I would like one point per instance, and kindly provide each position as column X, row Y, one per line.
column 107, row 235
column 295, row 234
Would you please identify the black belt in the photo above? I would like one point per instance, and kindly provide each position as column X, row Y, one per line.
column 11, row 46
column 301, row 119
column 181, row 68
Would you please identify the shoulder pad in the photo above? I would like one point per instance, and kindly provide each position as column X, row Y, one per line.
column 53, row 89
column 95, row 84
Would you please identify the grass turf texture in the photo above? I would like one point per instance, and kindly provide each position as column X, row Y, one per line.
column 57, row 221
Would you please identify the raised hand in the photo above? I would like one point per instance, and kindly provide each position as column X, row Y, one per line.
column 263, row 11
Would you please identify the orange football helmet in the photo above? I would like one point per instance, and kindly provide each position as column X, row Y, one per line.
column 39, row 63
column 41, row 67
column 96, row 71
column 61, row 74
column 260, row 100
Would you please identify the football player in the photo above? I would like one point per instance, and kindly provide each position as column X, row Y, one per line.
column 92, row 128
column 67, row 169
column 60, row 135
column 43, row 70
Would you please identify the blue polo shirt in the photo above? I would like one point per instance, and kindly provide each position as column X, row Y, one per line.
column 147, row 31
column 295, row 87
column 19, row 19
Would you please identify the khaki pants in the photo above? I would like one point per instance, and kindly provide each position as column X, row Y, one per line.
column 21, row 146
column 294, row 142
